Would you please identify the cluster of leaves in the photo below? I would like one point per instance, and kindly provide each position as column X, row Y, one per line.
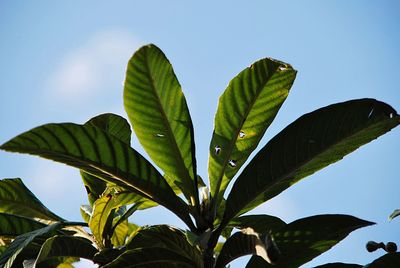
column 120, row 181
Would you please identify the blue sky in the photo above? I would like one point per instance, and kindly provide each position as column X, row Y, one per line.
column 65, row 62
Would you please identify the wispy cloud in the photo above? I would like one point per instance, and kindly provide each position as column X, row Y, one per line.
column 88, row 70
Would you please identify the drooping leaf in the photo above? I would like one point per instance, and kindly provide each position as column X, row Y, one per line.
column 157, row 109
column 390, row 260
column 244, row 243
column 65, row 246
column 394, row 214
column 245, row 110
column 20, row 242
column 154, row 257
column 124, row 217
column 100, row 154
column 302, row 240
column 309, row 144
column 339, row 265
column 16, row 198
column 165, row 236
column 13, row 225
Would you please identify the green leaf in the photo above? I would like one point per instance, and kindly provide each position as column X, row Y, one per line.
column 259, row 223
column 13, row 225
column 153, row 257
column 96, row 152
column 304, row 239
column 86, row 212
column 309, row 144
column 103, row 212
column 244, row 243
column 120, row 234
column 245, row 110
column 394, row 214
column 22, row 241
column 65, row 246
column 339, row 265
column 158, row 112
column 165, row 236
column 16, row 198
column 120, row 129
column 390, row 260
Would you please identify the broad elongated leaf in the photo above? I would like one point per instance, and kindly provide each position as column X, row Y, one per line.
column 245, row 110
column 390, row 260
column 165, row 236
column 304, row 239
column 157, row 109
column 309, row 144
column 339, row 265
column 13, row 225
column 16, row 198
column 153, row 257
column 8, row 257
column 100, row 154
column 65, row 246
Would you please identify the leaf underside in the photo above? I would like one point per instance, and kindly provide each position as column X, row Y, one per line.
column 309, row 144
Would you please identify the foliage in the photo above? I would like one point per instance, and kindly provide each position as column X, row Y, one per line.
column 119, row 181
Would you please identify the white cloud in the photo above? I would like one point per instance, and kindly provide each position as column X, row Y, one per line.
column 89, row 68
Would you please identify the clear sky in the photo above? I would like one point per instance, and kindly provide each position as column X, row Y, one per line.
column 65, row 62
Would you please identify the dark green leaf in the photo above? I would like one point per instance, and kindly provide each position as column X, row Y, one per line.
column 13, row 225
column 390, row 260
column 100, row 154
column 245, row 110
column 157, row 109
column 153, row 257
column 20, row 242
column 309, row 144
column 65, row 246
column 339, row 265
column 165, row 236
column 16, row 198
column 304, row 239
column 259, row 223
column 120, row 129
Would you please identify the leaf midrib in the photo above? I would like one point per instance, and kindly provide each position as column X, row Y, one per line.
column 233, row 141
column 166, row 123
column 278, row 180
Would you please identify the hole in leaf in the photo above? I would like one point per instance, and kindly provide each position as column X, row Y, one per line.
column 217, row 150
column 232, row 163
column 282, row 68
column 370, row 113
column 159, row 135
column 241, row 134
column 391, row 115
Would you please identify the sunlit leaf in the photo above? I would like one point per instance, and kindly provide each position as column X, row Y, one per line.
column 96, row 152
column 157, row 109
column 245, row 110
column 309, row 144
column 16, row 198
